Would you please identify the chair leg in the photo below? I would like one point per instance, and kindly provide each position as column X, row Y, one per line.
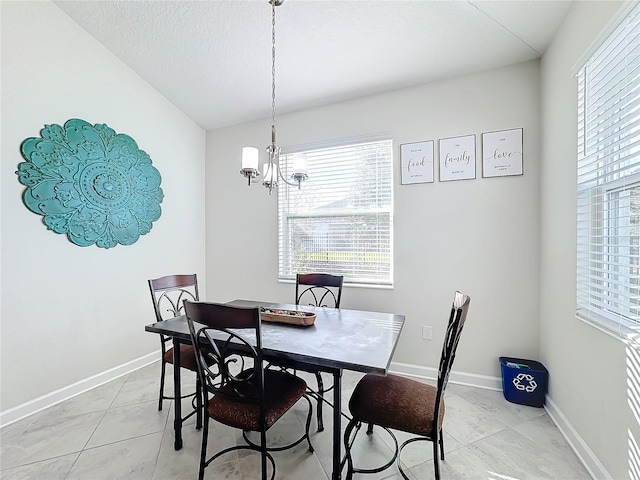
column 441, row 436
column 347, row 447
column 370, row 429
column 203, row 452
column 198, row 404
column 349, row 440
column 436, row 464
column 162, row 370
column 263, row 454
column 320, row 401
column 308, row 424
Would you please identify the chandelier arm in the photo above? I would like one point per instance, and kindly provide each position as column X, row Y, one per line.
column 297, row 177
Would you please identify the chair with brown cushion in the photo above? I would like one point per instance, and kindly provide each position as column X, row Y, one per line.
column 168, row 294
column 399, row 403
column 319, row 290
column 237, row 390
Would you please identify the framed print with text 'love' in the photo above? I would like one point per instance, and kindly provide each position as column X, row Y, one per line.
column 502, row 153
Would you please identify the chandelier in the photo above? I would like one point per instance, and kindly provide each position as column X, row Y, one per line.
column 250, row 155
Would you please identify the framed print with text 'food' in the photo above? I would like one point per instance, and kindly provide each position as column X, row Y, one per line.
column 416, row 162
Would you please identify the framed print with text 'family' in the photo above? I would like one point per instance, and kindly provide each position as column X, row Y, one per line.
column 458, row 158
column 416, row 162
column 502, row 153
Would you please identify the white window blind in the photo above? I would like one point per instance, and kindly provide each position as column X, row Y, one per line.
column 341, row 220
column 608, row 175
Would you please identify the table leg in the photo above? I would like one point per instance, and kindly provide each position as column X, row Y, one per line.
column 337, row 428
column 177, row 403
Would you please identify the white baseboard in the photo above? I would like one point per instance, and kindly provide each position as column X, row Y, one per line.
column 12, row 415
column 581, row 449
column 460, row 378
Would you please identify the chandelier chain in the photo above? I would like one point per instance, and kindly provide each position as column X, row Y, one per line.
column 273, row 63
column 250, row 157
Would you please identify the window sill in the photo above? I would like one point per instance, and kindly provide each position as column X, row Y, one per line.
column 616, row 330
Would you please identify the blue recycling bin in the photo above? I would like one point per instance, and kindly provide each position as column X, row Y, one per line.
column 524, row 381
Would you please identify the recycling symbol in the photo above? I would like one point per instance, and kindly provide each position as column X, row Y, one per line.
column 525, row 382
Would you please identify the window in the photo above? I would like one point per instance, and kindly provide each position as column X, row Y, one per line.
column 608, row 207
column 341, row 220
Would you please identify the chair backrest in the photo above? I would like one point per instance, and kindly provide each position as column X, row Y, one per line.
column 228, row 346
column 168, row 294
column 319, row 289
column 457, row 319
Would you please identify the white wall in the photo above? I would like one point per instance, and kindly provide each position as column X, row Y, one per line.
column 588, row 381
column 69, row 313
column 479, row 236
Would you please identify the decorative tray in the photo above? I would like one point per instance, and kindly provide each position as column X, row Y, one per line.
column 293, row 317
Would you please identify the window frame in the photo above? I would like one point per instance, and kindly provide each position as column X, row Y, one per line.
column 286, row 271
column 607, row 296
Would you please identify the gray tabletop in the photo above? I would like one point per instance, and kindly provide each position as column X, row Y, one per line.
column 339, row 339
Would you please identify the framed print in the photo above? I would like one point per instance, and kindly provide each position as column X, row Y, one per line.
column 416, row 162
column 458, row 158
column 502, row 153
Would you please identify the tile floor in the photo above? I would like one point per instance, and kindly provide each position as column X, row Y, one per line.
column 116, row 432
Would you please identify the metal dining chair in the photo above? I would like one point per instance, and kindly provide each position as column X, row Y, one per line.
column 168, row 294
column 319, row 290
column 399, row 403
column 237, row 390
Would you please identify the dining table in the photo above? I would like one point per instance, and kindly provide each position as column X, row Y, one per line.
column 339, row 339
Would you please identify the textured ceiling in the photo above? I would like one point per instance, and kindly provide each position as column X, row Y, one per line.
column 212, row 59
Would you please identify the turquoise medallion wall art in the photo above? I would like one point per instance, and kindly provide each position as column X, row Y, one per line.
column 90, row 183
